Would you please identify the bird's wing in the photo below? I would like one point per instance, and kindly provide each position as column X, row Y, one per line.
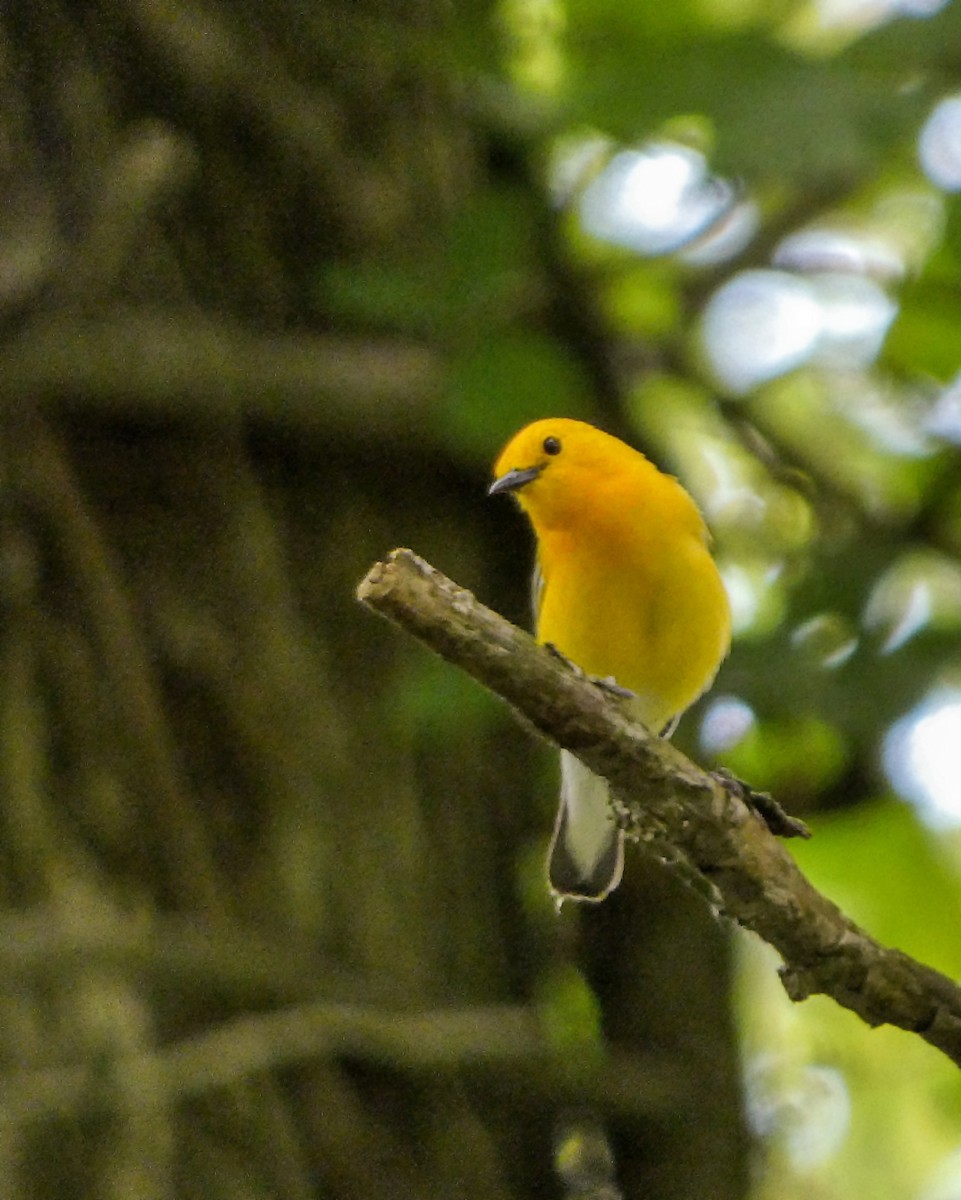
column 537, row 591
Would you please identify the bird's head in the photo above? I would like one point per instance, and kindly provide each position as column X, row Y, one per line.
column 558, row 468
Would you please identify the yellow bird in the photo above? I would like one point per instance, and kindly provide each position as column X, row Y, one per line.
column 624, row 586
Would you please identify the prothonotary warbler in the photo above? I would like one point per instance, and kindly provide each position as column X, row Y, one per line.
column 624, row 586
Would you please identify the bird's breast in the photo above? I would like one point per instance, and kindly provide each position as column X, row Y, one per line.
column 650, row 611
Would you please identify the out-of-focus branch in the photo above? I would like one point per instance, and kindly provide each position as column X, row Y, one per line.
column 152, row 363
column 180, row 955
column 503, row 1038
column 684, row 814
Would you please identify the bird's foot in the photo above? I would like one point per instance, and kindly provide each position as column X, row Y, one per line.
column 780, row 823
column 606, row 684
column 610, row 685
column 562, row 658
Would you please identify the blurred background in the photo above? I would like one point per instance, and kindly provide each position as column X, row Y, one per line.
column 276, row 283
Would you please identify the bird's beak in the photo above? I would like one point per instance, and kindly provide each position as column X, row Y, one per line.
column 514, row 480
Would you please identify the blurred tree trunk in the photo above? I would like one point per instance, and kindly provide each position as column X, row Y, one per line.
column 225, row 791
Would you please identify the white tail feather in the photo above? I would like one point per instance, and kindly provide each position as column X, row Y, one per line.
column 586, row 855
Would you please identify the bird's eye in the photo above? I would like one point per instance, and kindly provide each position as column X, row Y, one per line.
column 552, row 445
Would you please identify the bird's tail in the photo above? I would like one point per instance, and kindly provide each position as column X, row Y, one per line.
column 586, row 856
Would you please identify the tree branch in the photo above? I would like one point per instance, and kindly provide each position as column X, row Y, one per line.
column 506, row 1039
column 173, row 363
column 683, row 814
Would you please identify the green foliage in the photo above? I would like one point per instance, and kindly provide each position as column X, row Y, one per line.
column 922, row 340
column 641, row 300
column 472, row 273
column 571, row 1018
column 790, row 756
column 511, row 378
column 892, row 875
column 778, row 114
column 887, row 899
column 831, row 500
column 438, row 706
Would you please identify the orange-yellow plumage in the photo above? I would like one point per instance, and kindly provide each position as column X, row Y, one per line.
column 627, row 589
